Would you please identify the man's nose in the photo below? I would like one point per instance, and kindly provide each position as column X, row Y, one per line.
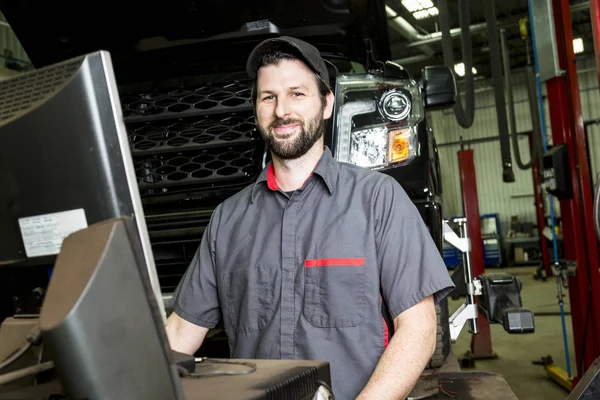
column 283, row 107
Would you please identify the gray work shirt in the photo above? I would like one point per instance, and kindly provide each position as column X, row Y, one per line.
column 302, row 276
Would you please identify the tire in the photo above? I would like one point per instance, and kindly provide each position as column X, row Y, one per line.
column 442, row 347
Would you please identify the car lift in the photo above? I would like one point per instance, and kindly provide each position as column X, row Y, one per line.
column 580, row 242
column 576, row 205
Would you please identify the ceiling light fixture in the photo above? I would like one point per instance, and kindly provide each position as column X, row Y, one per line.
column 460, row 69
column 421, row 9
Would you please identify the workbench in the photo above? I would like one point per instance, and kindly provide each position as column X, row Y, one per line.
column 450, row 382
column 457, row 384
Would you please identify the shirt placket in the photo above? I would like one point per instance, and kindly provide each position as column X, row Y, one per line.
column 288, row 266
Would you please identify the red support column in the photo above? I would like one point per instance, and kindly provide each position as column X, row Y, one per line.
column 579, row 237
column 481, row 343
column 539, row 209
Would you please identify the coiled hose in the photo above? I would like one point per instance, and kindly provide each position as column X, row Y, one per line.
column 465, row 116
column 508, row 174
column 535, row 115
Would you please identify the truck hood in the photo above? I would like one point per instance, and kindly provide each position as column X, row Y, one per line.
column 195, row 34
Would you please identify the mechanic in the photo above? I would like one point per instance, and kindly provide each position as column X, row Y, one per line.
column 298, row 264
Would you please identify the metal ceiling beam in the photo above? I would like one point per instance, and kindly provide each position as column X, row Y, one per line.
column 421, row 40
column 404, row 28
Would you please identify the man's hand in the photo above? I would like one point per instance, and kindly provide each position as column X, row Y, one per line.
column 407, row 354
column 184, row 336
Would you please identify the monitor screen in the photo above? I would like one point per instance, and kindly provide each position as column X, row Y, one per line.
column 65, row 161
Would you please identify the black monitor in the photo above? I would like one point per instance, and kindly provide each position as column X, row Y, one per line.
column 71, row 199
column 64, row 161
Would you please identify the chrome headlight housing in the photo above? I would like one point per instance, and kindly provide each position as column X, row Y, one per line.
column 376, row 120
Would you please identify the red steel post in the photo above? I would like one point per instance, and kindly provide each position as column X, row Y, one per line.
column 539, row 209
column 481, row 343
column 578, row 232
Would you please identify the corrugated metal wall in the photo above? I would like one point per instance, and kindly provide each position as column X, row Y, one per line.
column 495, row 196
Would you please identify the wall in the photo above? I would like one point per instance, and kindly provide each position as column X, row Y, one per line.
column 495, row 196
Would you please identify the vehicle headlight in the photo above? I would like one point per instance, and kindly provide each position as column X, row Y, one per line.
column 376, row 120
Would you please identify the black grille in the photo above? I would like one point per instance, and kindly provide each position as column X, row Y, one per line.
column 207, row 99
column 192, row 133
column 26, row 91
column 193, row 138
column 192, row 147
column 204, row 151
column 218, row 166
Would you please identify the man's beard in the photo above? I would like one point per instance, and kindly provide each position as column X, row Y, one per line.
column 303, row 141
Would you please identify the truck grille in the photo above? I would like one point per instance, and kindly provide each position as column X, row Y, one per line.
column 206, row 99
column 193, row 138
column 192, row 147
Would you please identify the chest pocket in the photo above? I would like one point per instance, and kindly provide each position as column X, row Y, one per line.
column 334, row 292
column 251, row 296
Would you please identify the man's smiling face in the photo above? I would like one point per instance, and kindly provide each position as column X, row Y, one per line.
column 289, row 110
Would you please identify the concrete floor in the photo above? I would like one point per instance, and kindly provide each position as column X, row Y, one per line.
column 516, row 352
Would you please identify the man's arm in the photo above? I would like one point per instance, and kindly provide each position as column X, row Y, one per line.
column 406, row 355
column 184, row 336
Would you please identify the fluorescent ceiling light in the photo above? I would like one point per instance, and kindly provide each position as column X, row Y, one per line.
column 412, row 5
column 578, row 45
column 460, row 69
column 421, row 14
column 421, row 9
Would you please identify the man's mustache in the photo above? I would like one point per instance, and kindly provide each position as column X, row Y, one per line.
column 281, row 122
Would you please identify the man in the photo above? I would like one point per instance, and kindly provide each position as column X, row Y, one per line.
column 299, row 263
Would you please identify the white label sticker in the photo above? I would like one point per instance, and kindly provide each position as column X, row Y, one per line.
column 258, row 25
column 43, row 234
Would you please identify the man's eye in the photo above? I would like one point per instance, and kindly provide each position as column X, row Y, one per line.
column 297, row 94
column 267, row 98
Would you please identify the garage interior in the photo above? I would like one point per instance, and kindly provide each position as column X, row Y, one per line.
column 519, row 164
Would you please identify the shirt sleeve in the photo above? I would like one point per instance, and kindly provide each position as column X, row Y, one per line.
column 411, row 266
column 196, row 298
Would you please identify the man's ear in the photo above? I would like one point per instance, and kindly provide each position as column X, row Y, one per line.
column 329, row 102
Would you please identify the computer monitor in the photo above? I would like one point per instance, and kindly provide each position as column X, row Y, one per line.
column 65, row 161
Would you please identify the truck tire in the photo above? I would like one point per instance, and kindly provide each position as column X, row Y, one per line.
column 442, row 347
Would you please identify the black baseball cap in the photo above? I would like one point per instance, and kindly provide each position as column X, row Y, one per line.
column 306, row 52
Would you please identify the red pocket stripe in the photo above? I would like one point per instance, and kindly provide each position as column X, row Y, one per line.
column 335, row 262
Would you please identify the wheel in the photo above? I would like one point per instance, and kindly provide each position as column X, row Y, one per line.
column 442, row 346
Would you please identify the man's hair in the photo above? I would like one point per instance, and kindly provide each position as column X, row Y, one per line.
column 274, row 58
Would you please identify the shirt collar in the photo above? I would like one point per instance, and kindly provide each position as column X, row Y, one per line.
column 326, row 168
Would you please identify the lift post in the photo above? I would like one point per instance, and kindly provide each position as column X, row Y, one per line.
column 481, row 343
column 580, row 243
column 540, row 214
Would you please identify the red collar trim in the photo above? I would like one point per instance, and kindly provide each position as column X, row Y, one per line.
column 271, row 181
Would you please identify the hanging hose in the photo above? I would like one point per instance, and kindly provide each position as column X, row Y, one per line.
column 536, row 123
column 550, row 199
column 465, row 116
column 496, row 65
column 535, row 116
